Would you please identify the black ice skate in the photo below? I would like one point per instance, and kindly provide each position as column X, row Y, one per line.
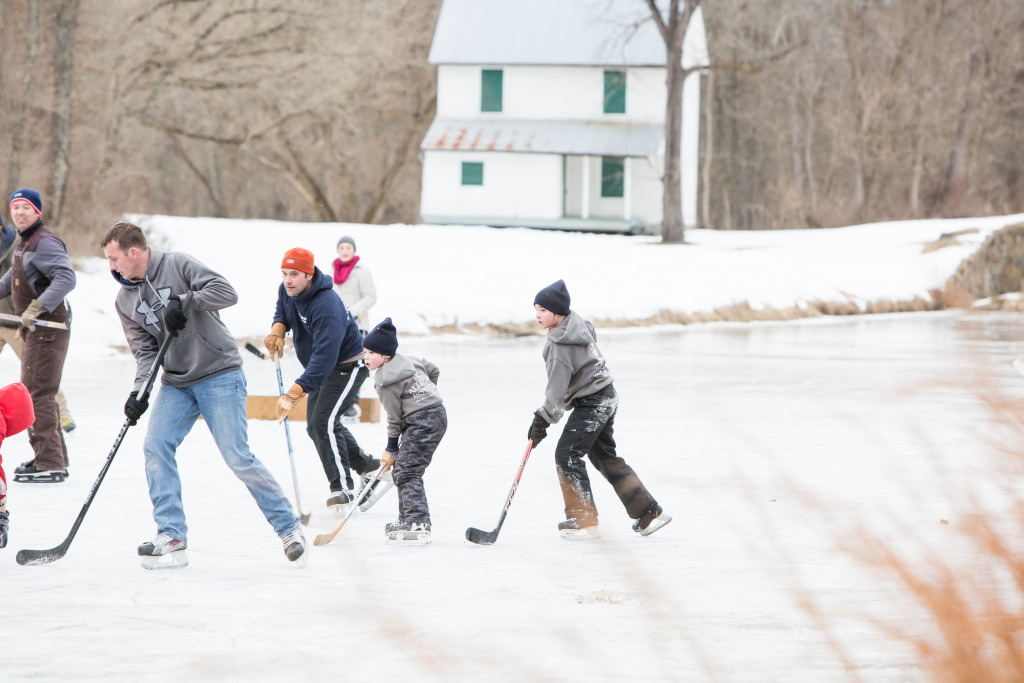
column 578, row 530
column 407, row 533
column 28, row 473
column 337, row 502
column 651, row 520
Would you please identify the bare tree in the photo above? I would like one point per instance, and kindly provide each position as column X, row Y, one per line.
column 672, row 26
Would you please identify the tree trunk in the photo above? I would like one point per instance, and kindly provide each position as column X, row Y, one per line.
column 65, row 20
column 18, row 126
column 672, row 229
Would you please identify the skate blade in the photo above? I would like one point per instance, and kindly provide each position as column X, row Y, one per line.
column 408, row 538
column 375, row 495
column 176, row 560
column 54, row 478
column 658, row 522
column 590, row 533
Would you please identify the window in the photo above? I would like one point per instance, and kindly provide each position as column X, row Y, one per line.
column 490, row 90
column 472, row 173
column 613, row 171
column 614, row 92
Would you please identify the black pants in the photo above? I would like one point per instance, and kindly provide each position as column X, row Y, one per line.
column 337, row 448
column 588, row 432
column 421, row 433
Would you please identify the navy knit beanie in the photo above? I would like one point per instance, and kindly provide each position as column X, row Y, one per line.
column 348, row 239
column 27, row 195
column 382, row 339
column 554, row 297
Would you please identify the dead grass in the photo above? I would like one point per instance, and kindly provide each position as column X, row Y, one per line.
column 973, row 630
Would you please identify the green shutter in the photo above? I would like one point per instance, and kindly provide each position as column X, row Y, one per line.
column 614, row 92
column 490, row 90
column 613, row 171
column 472, row 173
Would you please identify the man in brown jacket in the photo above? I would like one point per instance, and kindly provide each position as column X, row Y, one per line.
column 39, row 279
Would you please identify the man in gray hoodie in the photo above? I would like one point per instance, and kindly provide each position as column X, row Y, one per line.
column 174, row 294
column 578, row 379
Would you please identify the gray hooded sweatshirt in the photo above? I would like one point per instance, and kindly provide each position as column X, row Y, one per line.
column 575, row 366
column 406, row 384
column 205, row 347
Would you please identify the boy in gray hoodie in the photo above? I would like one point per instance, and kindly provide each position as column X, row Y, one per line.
column 407, row 388
column 579, row 380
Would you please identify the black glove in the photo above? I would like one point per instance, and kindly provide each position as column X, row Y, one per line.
column 538, row 429
column 134, row 408
column 174, row 319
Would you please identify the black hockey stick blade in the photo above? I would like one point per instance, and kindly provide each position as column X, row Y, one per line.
column 31, row 557
column 250, row 347
column 481, row 537
column 34, row 557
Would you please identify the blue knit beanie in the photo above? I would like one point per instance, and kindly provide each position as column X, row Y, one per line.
column 382, row 339
column 554, row 297
column 27, row 195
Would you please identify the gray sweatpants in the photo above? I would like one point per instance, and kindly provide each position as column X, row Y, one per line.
column 421, row 433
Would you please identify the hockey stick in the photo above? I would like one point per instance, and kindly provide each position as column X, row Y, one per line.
column 45, row 556
column 324, row 539
column 480, row 537
column 45, row 323
column 303, row 516
column 251, row 348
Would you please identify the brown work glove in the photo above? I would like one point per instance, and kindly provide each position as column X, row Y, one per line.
column 288, row 401
column 34, row 310
column 274, row 342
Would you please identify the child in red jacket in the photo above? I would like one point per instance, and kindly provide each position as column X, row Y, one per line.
column 16, row 415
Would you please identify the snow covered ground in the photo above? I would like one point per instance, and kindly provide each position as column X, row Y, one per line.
column 768, row 443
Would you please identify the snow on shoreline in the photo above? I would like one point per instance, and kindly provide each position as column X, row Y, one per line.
column 437, row 276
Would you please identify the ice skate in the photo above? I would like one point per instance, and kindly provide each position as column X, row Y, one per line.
column 337, row 502
column 163, row 552
column 5, row 520
column 651, row 520
column 383, row 485
column 407, row 533
column 295, row 548
column 28, row 473
column 578, row 530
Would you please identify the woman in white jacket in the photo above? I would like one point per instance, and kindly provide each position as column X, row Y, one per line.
column 354, row 283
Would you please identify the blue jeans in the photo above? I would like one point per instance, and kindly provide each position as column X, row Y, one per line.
column 221, row 401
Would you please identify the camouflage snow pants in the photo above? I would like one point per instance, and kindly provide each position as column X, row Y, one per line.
column 421, row 433
column 588, row 432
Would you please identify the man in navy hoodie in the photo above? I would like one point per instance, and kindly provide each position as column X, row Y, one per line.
column 330, row 348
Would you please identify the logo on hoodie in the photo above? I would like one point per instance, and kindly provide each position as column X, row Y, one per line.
column 148, row 310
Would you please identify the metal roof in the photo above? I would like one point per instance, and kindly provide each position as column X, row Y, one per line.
column 555, row 32
column 545, row 137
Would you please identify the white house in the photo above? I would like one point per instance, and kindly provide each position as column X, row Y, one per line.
column 551, row 114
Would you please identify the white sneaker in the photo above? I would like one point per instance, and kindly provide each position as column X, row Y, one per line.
column 295, row 547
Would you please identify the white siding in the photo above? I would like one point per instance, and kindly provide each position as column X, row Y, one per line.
column 515, row 185
column 551, row 93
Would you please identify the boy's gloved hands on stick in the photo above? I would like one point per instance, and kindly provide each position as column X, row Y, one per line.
column 538, row 429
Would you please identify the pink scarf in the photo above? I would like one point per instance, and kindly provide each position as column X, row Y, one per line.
column 343, row 270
